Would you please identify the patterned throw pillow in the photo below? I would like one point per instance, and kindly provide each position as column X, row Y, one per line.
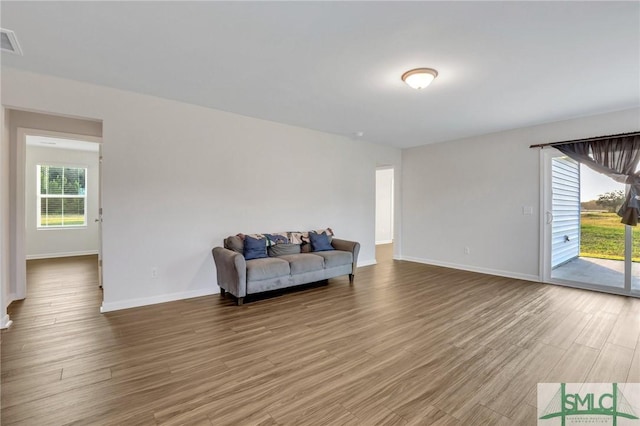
column 298, row 237
column 277, row 238
column 303, row 237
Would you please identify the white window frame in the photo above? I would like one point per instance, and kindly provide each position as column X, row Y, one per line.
column 40, row 196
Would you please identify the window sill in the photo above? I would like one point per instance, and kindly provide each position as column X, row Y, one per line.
column 61, row 228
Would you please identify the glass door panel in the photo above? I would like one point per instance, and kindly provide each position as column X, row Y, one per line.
column 588, row 240
column 635, row 259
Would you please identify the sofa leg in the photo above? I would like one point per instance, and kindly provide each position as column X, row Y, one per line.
column 239, row 301
column 351, row 277
column 222, row 292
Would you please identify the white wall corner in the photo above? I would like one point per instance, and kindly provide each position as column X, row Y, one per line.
column 366, row 263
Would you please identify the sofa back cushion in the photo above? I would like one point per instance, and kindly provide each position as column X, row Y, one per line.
column 299, row 239
column 234, row 243
column 283, row 249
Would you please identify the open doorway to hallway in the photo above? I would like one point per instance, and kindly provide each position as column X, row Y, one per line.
column 384, row 214
column 54, row 198
column 61, row 210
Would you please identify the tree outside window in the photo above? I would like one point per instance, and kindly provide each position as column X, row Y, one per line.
column 62, row 196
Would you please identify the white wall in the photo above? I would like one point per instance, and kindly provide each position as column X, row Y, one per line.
column 43, row 243
column 178, row 178
column 384, row 206
column 4, row 219
column 470, row 193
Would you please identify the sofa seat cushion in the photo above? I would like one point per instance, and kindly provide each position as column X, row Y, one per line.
column 304, row 262
column 335, row 258
column 267, row 267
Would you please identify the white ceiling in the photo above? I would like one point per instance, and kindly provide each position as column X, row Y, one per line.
column 336, row 66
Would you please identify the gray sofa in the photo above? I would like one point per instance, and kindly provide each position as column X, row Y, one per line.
column 241, row 277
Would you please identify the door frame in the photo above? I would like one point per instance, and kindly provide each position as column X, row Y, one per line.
column 20, row 206
column 546, row 218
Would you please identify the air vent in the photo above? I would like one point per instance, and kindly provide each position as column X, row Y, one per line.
column 9, row 42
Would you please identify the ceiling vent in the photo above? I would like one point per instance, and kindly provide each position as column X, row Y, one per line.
column 9, row 42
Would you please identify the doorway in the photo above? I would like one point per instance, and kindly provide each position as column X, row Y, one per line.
column 384, row 214
column 58, row 199
column 584, row 244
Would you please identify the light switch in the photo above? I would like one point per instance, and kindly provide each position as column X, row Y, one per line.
column 527, row 210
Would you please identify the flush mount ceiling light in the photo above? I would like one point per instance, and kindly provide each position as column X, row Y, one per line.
column 419, row 78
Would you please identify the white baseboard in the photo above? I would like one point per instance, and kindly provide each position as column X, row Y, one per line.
column 367, row 262
column 5, row 322
column 153, row 300
column 63, row 254
column 384, row 242
column 488, row 271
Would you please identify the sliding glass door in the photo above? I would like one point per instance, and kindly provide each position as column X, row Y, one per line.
column 583, row 242
column 635, row 260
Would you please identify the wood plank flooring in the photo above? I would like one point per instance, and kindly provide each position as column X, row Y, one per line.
column 407, row 344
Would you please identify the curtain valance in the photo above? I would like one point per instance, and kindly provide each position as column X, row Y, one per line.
column 616, row 156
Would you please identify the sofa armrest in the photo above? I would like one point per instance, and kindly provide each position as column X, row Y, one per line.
column 231, row 270
column 350, row 246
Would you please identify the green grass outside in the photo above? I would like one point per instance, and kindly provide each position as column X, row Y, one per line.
column 69, row 220
column 602, row 236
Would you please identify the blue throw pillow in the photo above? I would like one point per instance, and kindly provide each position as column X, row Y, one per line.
column 320, row 242
column 254, row 248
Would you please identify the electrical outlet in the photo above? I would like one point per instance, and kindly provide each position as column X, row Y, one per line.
column 154, row 272
column 467, row 250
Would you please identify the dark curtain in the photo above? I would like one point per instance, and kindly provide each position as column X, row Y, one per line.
column 617, row 158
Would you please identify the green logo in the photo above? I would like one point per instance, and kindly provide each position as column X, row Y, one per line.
column 586, row 404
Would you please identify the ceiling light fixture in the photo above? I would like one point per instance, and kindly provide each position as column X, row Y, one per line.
column 419, row 78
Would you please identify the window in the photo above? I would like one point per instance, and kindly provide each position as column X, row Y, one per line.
column 62, row 196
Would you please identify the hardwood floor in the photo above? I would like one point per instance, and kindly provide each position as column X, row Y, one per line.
column 406, row 344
